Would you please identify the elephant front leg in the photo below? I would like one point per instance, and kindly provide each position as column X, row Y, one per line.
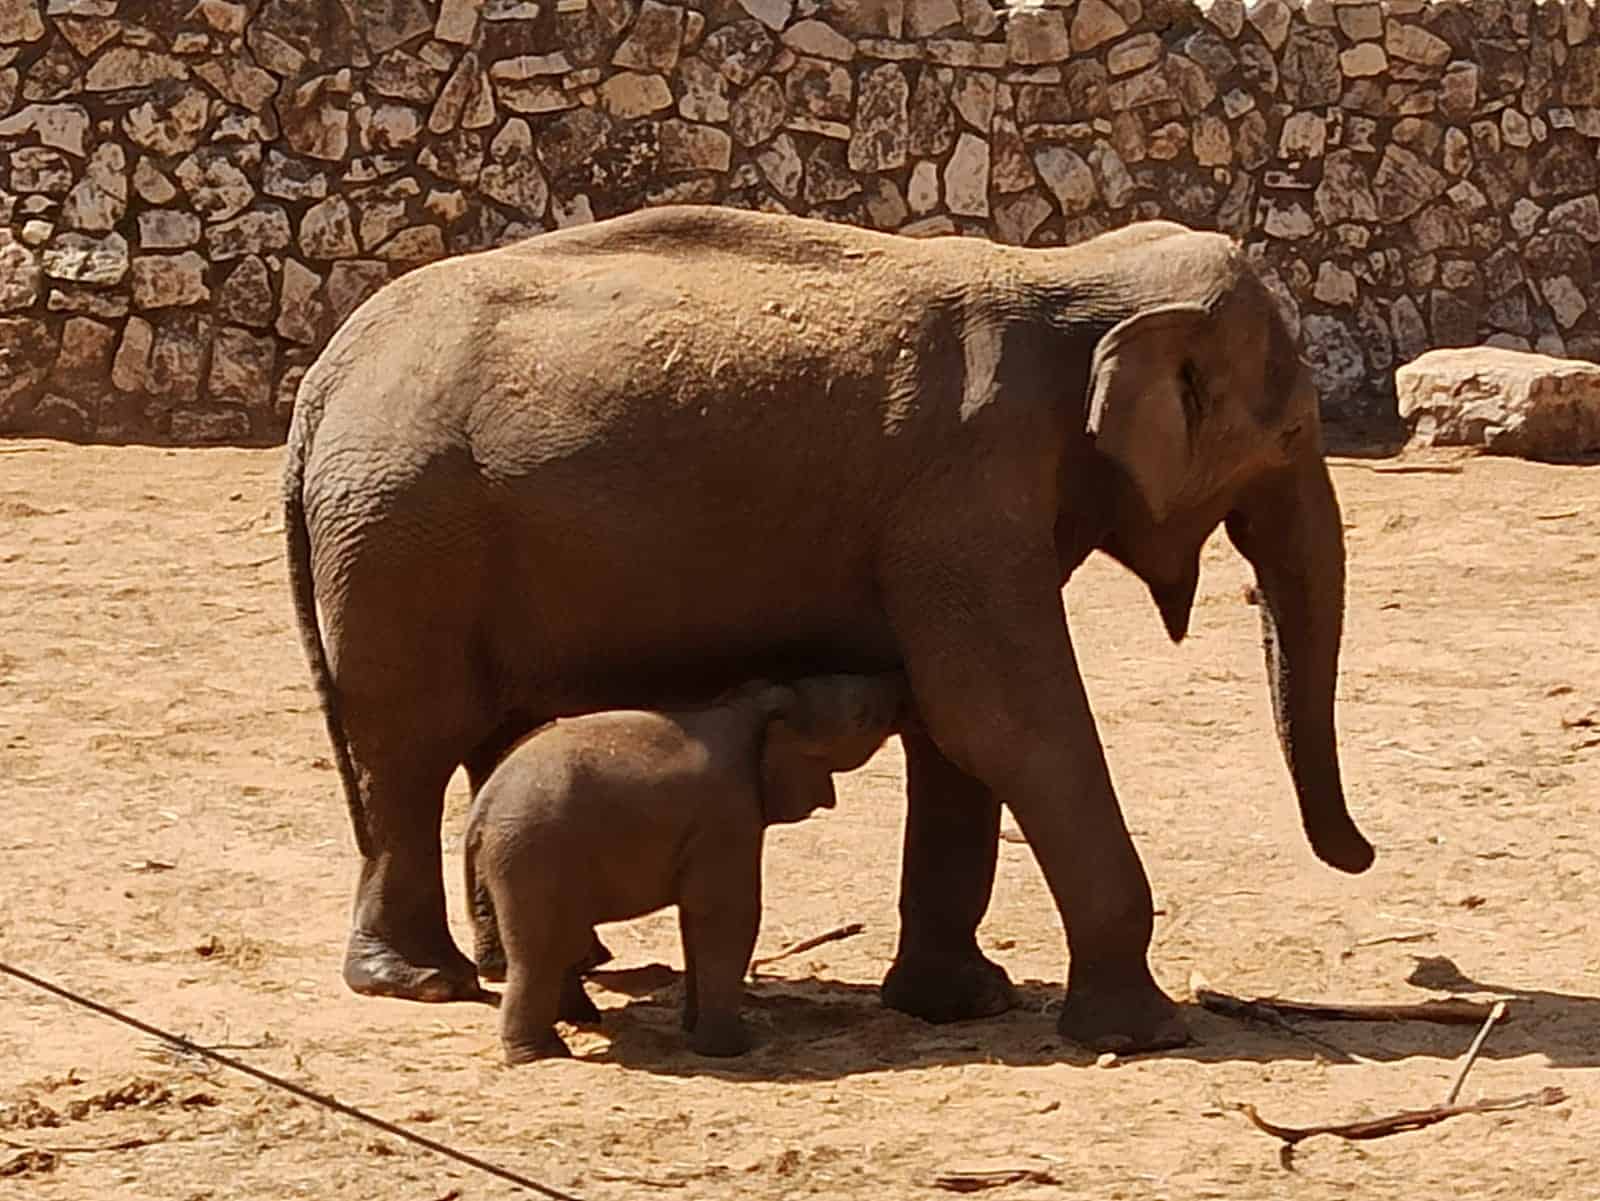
column 997, row 686
column 719, row 912
column 951, row 841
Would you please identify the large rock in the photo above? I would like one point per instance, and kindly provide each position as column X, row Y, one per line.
column 34, row 169
column 85, row 359
column 82, row 259
column 97, row 201
column 217, row 186
column 246, row 295
column 316, row 117
column 882, row 132
column 20, row 21
column 655, row 40
column 20, row 274
column 162, row 281
column 241, row 367
column 59, row 126
column 29, row 351
column 513, row 177
column 1506, row 401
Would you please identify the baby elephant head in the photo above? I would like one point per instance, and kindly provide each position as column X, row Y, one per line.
column 817, row 726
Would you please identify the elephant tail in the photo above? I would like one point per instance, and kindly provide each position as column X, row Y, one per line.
column 303, row 590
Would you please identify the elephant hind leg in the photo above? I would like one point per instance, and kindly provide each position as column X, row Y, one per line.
column 400, row 943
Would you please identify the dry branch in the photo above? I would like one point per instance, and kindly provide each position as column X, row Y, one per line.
column 1382, row 939
column 806, row 944
column 1398, row 1123
column 1410, row 468
column 122, row 1144
column 1254, row 1011
column 1471, row 1057
column 1450, row 1011
column 613, row 1177
column 972, row 1182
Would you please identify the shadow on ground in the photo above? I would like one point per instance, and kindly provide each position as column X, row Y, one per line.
column 810, row 1029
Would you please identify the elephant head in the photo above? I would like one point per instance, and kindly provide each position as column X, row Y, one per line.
column 1205, row 408
column 817, row 726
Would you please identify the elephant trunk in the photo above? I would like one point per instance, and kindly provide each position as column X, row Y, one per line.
column 1290, row 530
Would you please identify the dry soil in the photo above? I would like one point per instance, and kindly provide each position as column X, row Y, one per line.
column 174, row 844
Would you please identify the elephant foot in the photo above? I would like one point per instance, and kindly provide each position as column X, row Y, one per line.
column 546, row 1046
column 948, row 986
column 374, row 968
column 1122, row 1017
column 720, row 1038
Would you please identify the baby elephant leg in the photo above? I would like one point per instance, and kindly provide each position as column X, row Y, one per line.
column 487, row 950
column 719, row 916
column 528, row 1013
column 542, row 943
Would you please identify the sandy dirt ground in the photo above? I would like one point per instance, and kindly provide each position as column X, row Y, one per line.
column 174, row 844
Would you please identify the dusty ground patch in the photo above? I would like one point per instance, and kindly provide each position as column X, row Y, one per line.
column 174, row 844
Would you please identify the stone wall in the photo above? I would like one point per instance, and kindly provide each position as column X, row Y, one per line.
column 196, row 192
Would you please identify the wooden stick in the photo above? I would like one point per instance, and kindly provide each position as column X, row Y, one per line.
column 614, row 1177
column 1380, row 939
column 1495, row 1014
column 1255, row 1011
column 1450, row 1011
column 1397, row 1123
column 1410, row 468
column 125, row 1144
column 972, row 1182
column 806, row 944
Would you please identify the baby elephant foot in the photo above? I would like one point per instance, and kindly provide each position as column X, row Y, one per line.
column 547, row 1045
column 720, row 1037
column 576, row 1007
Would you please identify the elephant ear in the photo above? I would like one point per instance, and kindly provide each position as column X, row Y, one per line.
column 1137, row 412
column 795, row 779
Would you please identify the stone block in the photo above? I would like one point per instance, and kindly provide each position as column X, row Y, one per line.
column 1505, row 401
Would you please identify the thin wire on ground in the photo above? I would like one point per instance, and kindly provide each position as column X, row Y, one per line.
column 288, row 1086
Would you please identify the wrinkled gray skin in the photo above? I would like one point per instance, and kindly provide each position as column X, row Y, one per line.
column 659, row 455
column 613, row 815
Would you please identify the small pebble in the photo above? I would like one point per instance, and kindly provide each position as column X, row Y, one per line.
column 1107, row 1059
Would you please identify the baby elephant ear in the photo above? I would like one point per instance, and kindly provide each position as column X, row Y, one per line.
column 795, row 780
column 1136, row 415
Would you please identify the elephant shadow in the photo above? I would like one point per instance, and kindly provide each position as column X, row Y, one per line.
column 809, row 1029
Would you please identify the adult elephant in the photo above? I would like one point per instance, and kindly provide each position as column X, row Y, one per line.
column 643, row 459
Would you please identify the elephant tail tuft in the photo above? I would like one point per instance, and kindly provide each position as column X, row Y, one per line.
column 302, row 587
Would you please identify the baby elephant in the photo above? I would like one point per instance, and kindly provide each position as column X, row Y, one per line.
column 612, row 815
